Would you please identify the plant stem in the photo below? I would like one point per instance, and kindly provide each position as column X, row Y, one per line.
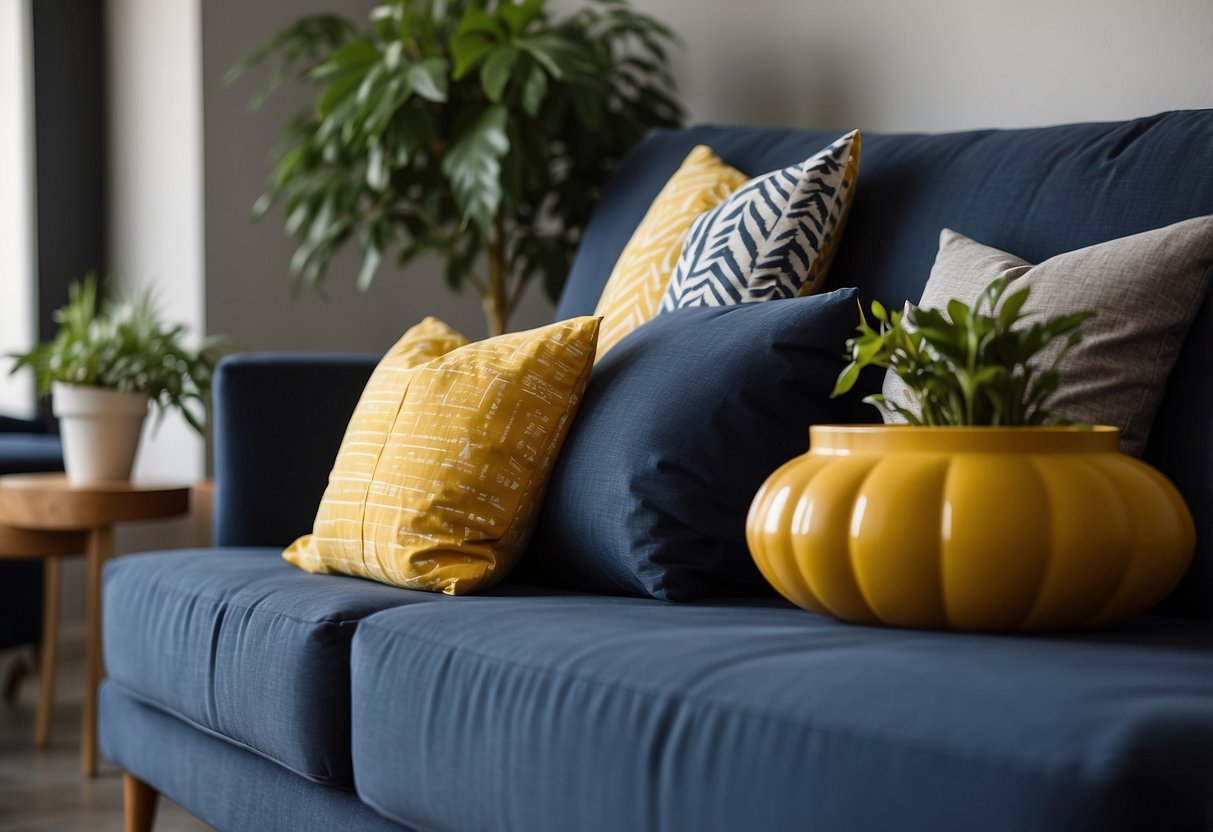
column 515, row 297
column 496, row 311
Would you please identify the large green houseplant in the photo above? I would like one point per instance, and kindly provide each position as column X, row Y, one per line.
column 480, row 130
column 108, row 360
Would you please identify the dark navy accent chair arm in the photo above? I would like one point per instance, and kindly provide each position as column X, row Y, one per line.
column 11, row 424
column 278, row 422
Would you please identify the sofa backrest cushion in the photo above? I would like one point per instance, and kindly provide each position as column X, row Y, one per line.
column 1107, row 378
column 681, row 424
column 1037, row 192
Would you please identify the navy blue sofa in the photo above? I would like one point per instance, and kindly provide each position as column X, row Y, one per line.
column 264, row 698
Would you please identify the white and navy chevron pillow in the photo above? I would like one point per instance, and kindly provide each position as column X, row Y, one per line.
column 773, row 238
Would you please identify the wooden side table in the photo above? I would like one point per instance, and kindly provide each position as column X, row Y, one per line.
column 43, row 515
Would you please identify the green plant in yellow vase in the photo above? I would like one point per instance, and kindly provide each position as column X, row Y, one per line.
column 970, row 366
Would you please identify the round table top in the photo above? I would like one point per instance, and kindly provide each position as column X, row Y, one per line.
column 49, row 501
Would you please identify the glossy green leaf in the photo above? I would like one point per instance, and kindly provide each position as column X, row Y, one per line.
column 534, row 90
column 372, row 256
column 495, row 71
column 377, row 116
column 473, row 167
column 298, row 217
column 518, row 16
column 428, row 78
column 338, row 89
column 846, row 380
column 478, row 34
column 393, row 55
column 285, row 167
column 550, row 50
column 374, row 79
column 1009, row 313
column 376, row 167
column 356, row 56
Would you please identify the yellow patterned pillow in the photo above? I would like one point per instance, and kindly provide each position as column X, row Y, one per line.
column 639, row 278
column 440, row 476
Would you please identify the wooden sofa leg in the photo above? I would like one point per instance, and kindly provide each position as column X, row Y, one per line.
column 138, row 803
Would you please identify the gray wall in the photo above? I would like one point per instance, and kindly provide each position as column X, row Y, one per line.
column 936, row 65
column 879, row 65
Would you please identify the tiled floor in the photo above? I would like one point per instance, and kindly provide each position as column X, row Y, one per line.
column 43, row 791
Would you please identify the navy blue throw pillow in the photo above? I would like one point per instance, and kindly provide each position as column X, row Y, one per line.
column 681, row 423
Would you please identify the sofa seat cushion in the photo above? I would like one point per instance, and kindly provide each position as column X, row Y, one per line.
column 606, row 713
column 28, row 453
column 245, row 646
column 221, row 784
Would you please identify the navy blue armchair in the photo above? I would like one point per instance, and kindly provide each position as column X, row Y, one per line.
column 25, row 447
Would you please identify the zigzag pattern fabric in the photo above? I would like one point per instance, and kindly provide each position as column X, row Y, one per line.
column 643, row 270
column 773, row 238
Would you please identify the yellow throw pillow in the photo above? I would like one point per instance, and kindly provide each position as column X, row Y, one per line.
column 440, row 476
column 639, row 278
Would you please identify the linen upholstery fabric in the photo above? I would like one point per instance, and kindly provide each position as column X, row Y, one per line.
column 22, row 452
column 28, row 453
column 17, row 424
column 1037, row 192
column 450, row 457
column 682, row 422
column 20, row 602
column 240, row 644
column 614, row 713
column 216, row 781
column 1117, row 375
column 643, row 270
column 773, row 238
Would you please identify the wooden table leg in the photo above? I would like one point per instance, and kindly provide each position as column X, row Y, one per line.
column 100, row 547
column 50, row 649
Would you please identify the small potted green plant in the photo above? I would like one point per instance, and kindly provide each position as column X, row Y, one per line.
column 988, row 511
column 108, row 360
column 483, row 131
column 969, row 366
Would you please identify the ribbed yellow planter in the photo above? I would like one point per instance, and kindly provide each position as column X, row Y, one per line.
column 995, row 529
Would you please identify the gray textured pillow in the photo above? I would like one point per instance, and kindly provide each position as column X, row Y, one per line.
column 1145, row 289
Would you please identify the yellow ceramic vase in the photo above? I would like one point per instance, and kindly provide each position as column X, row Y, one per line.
column 994, row 529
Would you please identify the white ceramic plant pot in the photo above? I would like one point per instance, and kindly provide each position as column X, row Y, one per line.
column 100, row 430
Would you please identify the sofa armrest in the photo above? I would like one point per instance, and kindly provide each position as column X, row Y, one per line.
column 278, row 422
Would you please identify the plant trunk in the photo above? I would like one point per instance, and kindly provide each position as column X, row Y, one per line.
column 496, row 303
column 494, row 313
